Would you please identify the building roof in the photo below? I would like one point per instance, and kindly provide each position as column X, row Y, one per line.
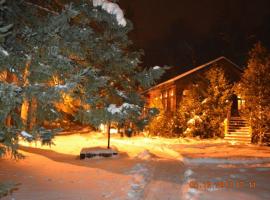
column 195, row 70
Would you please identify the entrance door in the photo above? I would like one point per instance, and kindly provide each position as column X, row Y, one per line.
column 234, row 109
column 237, row 105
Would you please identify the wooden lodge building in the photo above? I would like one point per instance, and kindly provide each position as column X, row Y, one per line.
column 171, row 91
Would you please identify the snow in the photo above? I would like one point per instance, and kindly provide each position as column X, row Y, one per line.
column 113, row 109
column 225, row 161
column 98, row 150
column 61, row 86
column 28, row 57
column 53, row 110
column 194, row 120
column 144, row 155
column 11, row 69
column 112, row 8
column 205, row 101
column 187, row 191
column 64, row 58
column 187, row 131
column 121, row 94
column 188, row 173
column 140, row 176
column 26, row 135
column 43, row 65
column 156, row 67
column 191, row 121
column 3, row 51
column 147, row 168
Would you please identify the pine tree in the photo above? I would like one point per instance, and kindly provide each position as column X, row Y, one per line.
column 217, row 102
column 255, row 90
column 189, row 112
column 22, row 86
column 117, row 98
column 202, row 112
column 83, row 51
column 162, row 123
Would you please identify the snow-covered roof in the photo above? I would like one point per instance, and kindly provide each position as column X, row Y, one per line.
column 195, row 70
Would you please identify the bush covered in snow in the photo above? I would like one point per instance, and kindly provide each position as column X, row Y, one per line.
column 162, row 123
column 208, row 109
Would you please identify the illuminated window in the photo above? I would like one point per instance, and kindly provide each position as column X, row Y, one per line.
column 165, row 99
column 172, row 93
column 168, row 99
column 241, row 103
column 172, row 100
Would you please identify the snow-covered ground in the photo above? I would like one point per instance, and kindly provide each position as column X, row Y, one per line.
column 147, row 168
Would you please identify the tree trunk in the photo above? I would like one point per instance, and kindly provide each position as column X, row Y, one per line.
column 261, row 137
column 31, row 116
column 10, row 78
column 109, row 134
column 24, row 112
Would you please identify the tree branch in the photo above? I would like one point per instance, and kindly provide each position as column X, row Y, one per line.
column 41, row 8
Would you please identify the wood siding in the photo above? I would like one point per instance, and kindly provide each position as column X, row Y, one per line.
column 162, row 92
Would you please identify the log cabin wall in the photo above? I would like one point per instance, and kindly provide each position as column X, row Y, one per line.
column 169, row 93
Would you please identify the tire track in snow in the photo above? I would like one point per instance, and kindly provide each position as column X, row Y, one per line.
column 141, row 175
column 188, row 192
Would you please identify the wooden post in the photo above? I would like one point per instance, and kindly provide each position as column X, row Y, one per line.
column 225, row 126
column 109, row 134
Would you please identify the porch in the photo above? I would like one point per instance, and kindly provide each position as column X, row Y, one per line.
column 237, row 128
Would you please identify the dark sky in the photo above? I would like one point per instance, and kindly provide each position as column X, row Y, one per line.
column 184, row 33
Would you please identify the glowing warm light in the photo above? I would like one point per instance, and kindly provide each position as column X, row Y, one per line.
column 3, row 76
column 241, row 103
column 55, row 80
column 102, row 128
column 185, row 92
column 24, row 110
column 113, row 131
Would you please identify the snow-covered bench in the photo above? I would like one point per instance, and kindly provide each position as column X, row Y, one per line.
column 97, row 152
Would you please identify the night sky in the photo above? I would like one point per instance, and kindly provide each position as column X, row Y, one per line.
column 186, row 33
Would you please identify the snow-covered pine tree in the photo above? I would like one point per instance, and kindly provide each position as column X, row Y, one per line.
column 162, row 123
column 202, row 112
column 25, row 83
column 188, row 115
column 113, row 58
column 217, row 102
column 9, row 93
column 83, row 51
column 255, row 90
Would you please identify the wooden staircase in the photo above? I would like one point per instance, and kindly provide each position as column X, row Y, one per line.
column 238, row 131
